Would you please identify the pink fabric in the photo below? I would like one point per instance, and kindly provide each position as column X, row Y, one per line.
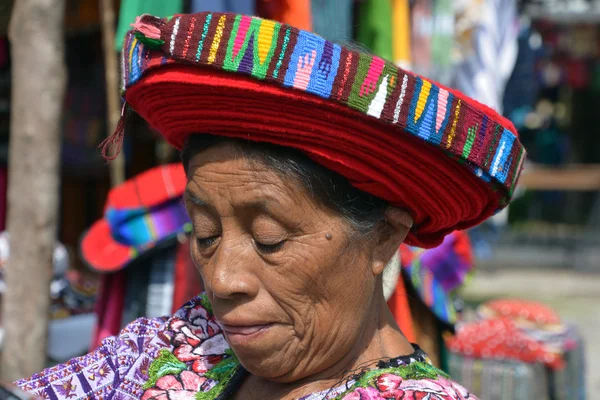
column 3, row 193
column 109, row 308
column 3, row 52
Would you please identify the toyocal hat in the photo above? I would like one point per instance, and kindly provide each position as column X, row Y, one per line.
column 140, row 214
column 446, row 159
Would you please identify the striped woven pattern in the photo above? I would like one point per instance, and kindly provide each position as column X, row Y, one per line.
column 447, row 160
column 435, row 274
column 140, row 214
column 281, row 54
column 141, row 228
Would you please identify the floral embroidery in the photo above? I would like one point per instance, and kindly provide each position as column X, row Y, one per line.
column 181, row 387
column 197, row 338
column 67, row 389
column 188, row 358
column 378, row 385
column 141, row 373
column 199, row 348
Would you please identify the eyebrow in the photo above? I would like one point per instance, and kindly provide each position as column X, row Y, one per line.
column 262, row 205
column 188, row 195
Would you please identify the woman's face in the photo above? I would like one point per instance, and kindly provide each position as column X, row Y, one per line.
column 286, row 281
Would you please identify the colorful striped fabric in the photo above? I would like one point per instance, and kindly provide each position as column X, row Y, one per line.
column 436, row 273
column 139, row 227
column 289, row 57
column 140, row 214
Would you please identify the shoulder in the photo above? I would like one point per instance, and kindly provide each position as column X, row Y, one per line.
column 94, row 374
column 123, row 364
column 417, row 381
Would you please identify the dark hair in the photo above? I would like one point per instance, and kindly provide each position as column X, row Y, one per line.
column 363, row 211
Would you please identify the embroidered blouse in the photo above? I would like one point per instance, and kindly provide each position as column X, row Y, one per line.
column 187, row 357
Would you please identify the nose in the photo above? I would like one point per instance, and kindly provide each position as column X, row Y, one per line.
column 232, row 272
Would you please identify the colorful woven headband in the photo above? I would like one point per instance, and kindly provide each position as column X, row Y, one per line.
column 448, row 160
column 140, row 214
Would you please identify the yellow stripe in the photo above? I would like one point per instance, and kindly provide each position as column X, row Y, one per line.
column 151, row 227
column 131, row 50
column 425, row 89
column 212, row 56
column 453, row 130
column 265, row 39
column 401, row 32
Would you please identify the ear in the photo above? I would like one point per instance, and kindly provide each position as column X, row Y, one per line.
column 397, row 225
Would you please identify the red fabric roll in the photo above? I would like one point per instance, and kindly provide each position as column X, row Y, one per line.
column 363, row 150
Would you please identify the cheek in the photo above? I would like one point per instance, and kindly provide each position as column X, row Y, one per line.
column 288, row 284
column 198, row 260
column 346, row 287
column 321, row 285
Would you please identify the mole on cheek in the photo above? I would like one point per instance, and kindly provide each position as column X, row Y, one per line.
column 328, row 236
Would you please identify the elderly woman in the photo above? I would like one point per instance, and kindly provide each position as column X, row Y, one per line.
column 308, row 164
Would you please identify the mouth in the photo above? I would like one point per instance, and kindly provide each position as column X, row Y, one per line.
column 244, row 330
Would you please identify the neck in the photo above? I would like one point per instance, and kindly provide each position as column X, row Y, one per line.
column 381, row 338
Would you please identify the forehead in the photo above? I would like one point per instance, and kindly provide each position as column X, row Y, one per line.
column 224, row 172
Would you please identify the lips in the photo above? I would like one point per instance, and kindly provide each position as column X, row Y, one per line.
column 244, row 330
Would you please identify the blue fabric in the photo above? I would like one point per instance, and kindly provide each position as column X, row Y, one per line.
column 237, row 6
column 141, row 227
column 333, row 19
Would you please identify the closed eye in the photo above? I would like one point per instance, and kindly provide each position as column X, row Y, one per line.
column 206, row 243
column 269, row 248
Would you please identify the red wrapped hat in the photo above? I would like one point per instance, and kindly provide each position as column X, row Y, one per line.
column 448, row 160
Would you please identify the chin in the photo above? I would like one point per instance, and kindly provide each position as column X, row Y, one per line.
column 264, row 355
column 269, row 369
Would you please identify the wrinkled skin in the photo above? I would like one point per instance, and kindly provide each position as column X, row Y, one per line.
column 269, row 253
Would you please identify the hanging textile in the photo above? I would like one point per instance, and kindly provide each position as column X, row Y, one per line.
column 522, row 87
column 84, row 111
column 209, row 5
column 400, row 309
column 293, row 12
column 5, row 13
column 488, row 32
column 187, row 281
column 3, row 196
column 4, row 56
column 137, row 278
column 332, row 19
column 421, row 29
column 159, row 302
column 246, row 7
column 5, row 92
column 109, row 308
column 442, row 41
column 401, row 33
column 374, row 27
column 435, row 274
column 130, row 9
column 82, row 15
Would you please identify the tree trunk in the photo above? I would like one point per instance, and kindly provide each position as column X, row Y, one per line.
column 107, row 12
column 38, row 85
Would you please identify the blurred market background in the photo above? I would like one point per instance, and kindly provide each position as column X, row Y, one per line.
column 537, row 62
